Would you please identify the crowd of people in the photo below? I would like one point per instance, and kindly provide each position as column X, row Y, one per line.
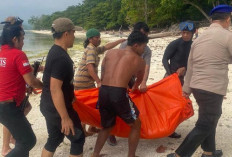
column 202, row 67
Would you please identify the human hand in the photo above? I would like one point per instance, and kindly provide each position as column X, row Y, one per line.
column 29, row 90
column 186, row 95
column 41, row 68
column 143, row 87
column 181, row 71
column 135, row 87
column 98, row 84
column 67, row 126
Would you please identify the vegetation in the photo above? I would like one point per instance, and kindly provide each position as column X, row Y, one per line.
column 115, row 14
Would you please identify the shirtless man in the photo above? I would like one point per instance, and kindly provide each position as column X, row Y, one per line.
column 118, row 66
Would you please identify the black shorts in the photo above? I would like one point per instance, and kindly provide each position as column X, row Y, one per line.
column 114, row 101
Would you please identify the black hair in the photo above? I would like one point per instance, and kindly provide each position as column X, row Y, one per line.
column 141, row 25
column 220, row 16
column 137, row 37
column 56, row 35
column 86, row 43
column 9, row 32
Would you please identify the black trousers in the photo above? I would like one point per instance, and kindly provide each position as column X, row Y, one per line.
column 14, row 119
column 55, row 136
column 180, row 77
column 205, row 129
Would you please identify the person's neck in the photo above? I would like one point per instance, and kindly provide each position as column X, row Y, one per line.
column 130, row 48
column 222, row 23
column 61, row 44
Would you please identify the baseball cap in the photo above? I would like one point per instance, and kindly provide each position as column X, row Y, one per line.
column 92, row 33
column 221, row 9
column 62, row 25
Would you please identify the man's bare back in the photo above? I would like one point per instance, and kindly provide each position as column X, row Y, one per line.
column 119, row 65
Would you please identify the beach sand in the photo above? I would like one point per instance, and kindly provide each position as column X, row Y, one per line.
column 146, row 148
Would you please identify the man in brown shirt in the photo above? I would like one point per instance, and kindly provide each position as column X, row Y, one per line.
column 118, row 67
column 207, row 79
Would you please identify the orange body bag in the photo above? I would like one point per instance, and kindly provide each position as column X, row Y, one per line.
column 162, row 108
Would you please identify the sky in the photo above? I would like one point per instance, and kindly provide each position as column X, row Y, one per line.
column 27, row 8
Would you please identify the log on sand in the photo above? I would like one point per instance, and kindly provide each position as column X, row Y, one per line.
column 163, row 34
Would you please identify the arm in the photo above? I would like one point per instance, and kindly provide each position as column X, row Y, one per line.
column 59, row 103
column 32, row 81
column 143, row 86
column 169, row 52
column 93, row 74
column 147, row 59
column 103, row 68
column 113, row 44
column 139, row 77
column 186, row 88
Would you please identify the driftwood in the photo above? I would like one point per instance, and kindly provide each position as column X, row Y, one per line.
column 163, row 34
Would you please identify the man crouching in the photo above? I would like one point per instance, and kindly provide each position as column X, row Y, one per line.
column 118, row 66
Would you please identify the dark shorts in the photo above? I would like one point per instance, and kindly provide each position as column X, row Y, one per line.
column 114, row 101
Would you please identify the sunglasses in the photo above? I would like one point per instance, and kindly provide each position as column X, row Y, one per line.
column 13, row 21
column 186, row 26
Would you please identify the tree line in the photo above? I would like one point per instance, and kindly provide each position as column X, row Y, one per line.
column 115, row 14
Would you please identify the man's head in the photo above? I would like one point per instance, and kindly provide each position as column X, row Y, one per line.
column 187, row 30
column 64, row 29
column 138, row 41
column 13, row 35
column 93, row 36
column 142, row 27
column 222, row 15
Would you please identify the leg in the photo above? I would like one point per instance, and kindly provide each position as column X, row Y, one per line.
column 93, row 129
column 87, row 133
column 28, row 108
column 209, row 113
column 55, row 137
column 101, row 139
column 112, row 140
column 77, row 143
column 192, row 141
column 7, row 137
column 6, row 141
column 134, row 137
column 46, row 153
column 21, row 130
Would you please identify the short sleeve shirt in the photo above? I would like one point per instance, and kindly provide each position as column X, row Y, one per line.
column 146, row 55
column 59, row 65
column 83, row 80
column 13, row 65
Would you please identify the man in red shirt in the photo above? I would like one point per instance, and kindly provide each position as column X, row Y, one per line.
column 15, row 72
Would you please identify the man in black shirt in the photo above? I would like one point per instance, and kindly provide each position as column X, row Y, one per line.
column 58, row 93
column 177, row 53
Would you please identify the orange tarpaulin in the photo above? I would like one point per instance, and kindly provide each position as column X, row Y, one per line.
column 162, row 108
